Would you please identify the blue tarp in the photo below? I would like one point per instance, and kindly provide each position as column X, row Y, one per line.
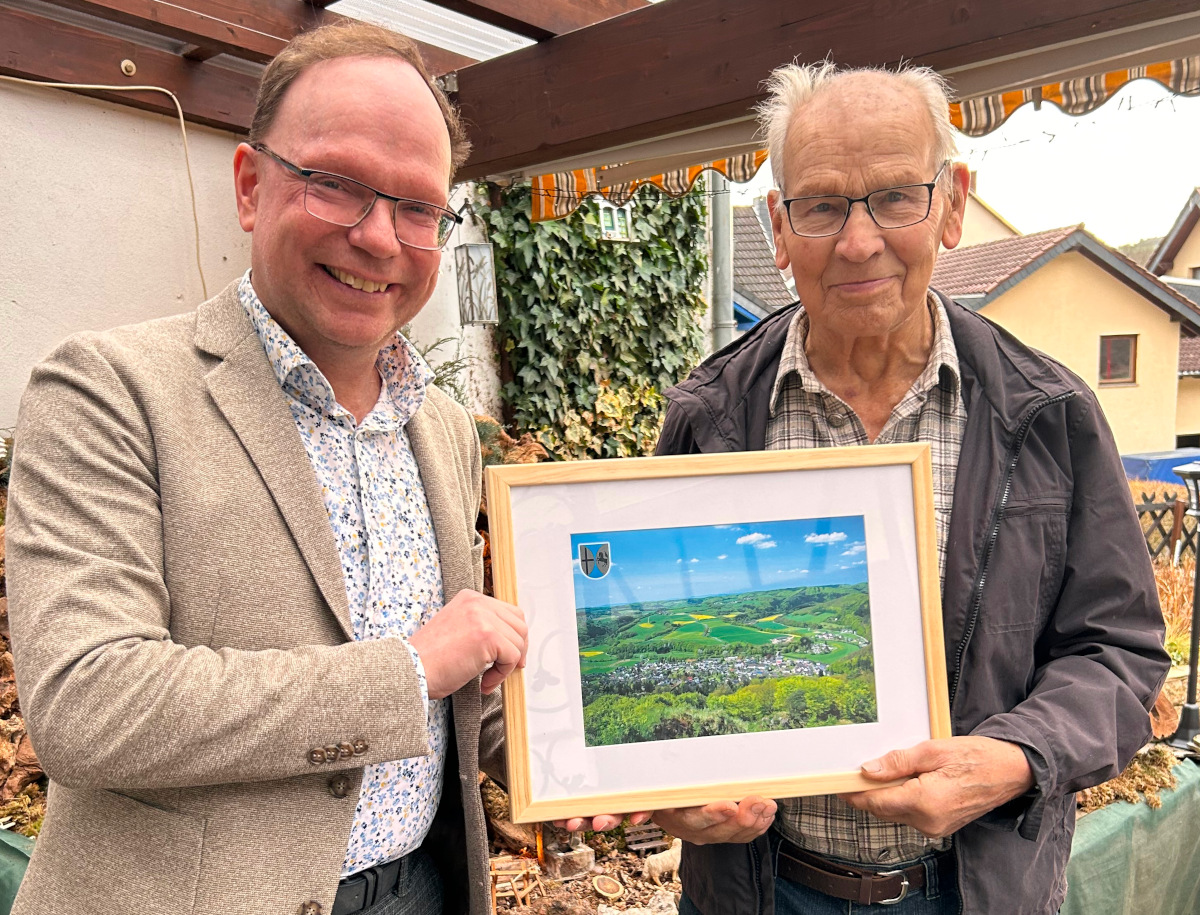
column 1158, row 465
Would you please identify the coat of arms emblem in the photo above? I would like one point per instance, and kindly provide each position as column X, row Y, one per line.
column 595, row 559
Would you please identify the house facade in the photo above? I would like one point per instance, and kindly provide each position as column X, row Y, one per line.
column 1112, row 323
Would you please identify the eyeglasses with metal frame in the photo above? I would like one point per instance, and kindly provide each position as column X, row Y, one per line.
column 890, row 208
column 346, row 202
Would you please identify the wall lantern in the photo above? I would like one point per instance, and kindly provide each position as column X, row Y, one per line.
column 615, row 221
column 1189, row 717
column 476, row 265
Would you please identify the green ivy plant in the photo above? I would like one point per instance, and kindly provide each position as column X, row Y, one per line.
column 594, row 331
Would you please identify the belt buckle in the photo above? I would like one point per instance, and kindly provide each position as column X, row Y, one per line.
column 903, row 886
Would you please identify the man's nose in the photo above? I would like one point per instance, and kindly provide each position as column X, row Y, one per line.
column 376, row 233
column 860, row 238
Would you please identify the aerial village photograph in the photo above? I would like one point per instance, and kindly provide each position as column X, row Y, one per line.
column 283, row 281
column 727, row 629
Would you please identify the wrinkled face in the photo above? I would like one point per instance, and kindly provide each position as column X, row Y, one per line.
column 368, row 118
column 865, row 134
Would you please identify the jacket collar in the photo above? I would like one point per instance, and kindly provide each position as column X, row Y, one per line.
column 723, row 396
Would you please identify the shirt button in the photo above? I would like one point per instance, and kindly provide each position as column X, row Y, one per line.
column 339, row 786
column 360, row 747
column 837, row 420
column 884, row 854
column 345, row 750
column 331, row 754
column 309, row 908
column 316, row 756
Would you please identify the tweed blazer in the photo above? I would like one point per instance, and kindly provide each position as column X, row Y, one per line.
column 182, row 634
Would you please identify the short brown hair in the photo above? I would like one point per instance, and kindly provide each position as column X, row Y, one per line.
column 348, row 38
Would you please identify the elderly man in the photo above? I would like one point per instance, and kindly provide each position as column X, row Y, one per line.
column 1053, row 631
column 242, row 547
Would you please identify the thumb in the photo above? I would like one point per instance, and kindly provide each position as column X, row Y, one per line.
column 897, row 764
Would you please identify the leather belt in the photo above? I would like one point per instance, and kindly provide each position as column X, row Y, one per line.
column 857, row 885
column 367, row 887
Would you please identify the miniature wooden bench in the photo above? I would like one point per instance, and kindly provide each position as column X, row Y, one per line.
column 642, row 840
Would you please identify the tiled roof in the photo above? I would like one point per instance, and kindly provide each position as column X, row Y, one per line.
column 979, row 269
column 1189, row 289
column 754, row 270
column 1189, row 355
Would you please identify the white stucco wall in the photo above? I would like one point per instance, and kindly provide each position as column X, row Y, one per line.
column 97, row 222
column 98, row 232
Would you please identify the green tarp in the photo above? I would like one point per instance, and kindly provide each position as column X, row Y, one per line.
column 1129, row 859
column 14, row 857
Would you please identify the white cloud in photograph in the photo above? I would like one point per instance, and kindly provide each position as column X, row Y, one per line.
column 854, row 549
column 757, row 540
column 831, row 537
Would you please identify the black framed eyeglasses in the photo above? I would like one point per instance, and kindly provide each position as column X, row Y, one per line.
column 890, row 207
column 346, row 202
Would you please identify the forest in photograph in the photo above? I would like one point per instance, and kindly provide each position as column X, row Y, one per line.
column 728, row 640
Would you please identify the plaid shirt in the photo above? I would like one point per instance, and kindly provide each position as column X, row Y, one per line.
column 806, row 414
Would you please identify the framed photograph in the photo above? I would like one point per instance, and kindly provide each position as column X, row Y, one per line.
column 706, row 627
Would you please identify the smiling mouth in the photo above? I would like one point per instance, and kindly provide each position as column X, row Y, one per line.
column 357, row 282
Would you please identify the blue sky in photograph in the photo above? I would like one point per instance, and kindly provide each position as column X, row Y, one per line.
column 681, row 562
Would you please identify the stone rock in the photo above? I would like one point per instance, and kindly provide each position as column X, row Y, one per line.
column 567, row 864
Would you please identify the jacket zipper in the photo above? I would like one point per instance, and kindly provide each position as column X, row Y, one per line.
column 756, row 862
column 1014, row 453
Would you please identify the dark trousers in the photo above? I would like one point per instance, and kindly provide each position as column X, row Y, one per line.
column 418, row 891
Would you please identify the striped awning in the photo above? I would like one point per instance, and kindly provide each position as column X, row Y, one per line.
column 978, row 116
column 558, row 195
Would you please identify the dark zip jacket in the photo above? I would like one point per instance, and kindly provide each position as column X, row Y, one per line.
column 1052, row 624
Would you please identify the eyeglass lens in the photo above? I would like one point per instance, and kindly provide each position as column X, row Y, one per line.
column 345, row 203
column 891, row 208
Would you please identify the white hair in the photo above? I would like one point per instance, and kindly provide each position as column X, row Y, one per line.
column 792, row 86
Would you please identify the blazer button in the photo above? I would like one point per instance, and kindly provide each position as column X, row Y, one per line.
column 360, row 747
column 316, row 756
column 309, row 908
column 339, row 786
column 345, row 750
column 331, row 753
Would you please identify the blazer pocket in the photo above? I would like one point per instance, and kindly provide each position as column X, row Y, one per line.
column 1025, row 572
column 96, row 845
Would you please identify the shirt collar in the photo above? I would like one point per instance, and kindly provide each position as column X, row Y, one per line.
column 942, row 364
column 404, row 372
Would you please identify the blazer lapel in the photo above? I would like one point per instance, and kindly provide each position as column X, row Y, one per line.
column 433, row 449
column 247, row 393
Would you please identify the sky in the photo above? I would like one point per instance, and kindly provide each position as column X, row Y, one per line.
column 680, row 562
column 1125, row 170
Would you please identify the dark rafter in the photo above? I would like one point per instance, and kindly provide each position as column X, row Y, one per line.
column 679, row 66
column 35, row 47
column 541, row 19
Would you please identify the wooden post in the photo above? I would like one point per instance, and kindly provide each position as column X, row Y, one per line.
column 1177, row 511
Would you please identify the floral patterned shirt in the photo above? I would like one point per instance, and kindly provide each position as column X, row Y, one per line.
column 381, row 523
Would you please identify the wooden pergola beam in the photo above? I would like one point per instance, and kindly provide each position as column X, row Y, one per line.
column 675, row 67
column 250, row 29
column 35, row 47
column 541, row 19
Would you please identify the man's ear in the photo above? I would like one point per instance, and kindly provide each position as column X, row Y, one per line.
column 960, row 185
column 245, row 184
column 782, row 261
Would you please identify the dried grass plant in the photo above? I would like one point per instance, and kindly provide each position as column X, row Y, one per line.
column 1175, row 595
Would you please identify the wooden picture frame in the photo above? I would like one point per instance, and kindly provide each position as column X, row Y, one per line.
column 636, row 697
